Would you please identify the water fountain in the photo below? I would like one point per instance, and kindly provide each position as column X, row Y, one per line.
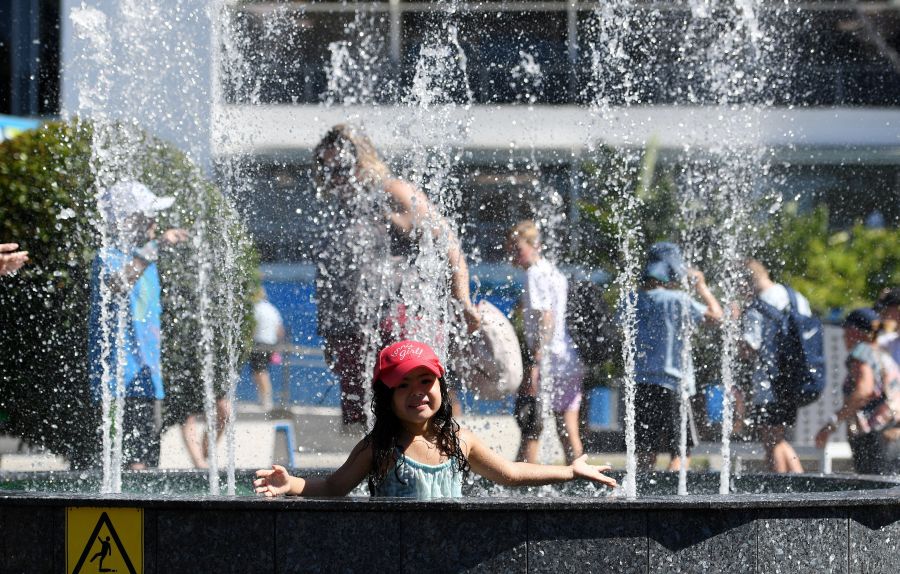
column 758, row 525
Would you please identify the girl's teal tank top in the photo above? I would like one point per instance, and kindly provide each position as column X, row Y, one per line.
column 420, row 480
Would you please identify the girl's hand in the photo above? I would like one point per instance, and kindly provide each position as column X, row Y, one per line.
column 273, row 482
column 581, row 469
column 11, row 260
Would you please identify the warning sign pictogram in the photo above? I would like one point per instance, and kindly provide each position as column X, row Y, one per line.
column 104, row 540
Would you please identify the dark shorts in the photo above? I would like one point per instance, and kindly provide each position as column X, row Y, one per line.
column 774, row 415
column 868, row 453
column 657, row 424
column 528, row 417
column 140, row 443
column 259, row 361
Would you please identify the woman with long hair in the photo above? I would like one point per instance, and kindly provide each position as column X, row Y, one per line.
column 389, row 255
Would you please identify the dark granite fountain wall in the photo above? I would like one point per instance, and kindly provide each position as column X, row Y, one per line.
column 829, row 532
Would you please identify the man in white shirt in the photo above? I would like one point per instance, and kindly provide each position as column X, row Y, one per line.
column 771, row 416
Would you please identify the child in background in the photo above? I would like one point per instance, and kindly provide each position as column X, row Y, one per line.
column 552, row 353
column 662, row 308
column 268, row 331
column 415, row 448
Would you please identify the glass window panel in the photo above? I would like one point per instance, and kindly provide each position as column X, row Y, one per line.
column 285, row 54
column 509, row 55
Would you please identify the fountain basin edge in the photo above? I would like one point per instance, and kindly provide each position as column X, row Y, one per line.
column 848, row 531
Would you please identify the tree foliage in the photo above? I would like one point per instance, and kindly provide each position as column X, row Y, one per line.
column 835, row 269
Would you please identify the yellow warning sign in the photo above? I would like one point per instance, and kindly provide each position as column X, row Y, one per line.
column 104, row 540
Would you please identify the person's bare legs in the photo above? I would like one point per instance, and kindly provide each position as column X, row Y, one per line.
column 780, row 455
column 675, row 463
column 263, row 383
column 192, row 430
column 569, row 435
column 529, row 450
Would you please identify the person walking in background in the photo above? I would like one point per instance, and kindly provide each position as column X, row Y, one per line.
column 11, row 259
column 661, row 315
column 268, row 331
column 555, row 371
column 863, row 394
column 368, row 272
column 772, row 415
column 131, row 314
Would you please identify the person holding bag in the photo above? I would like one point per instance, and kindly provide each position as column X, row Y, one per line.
column 866, row 408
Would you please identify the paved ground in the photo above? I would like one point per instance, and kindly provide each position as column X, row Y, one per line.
column 316, row 439
column 321, row 441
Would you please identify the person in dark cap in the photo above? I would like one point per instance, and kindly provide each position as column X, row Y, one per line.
column 863, row 393
column 663, row 313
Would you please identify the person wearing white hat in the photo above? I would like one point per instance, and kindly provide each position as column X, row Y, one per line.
column 130, row 314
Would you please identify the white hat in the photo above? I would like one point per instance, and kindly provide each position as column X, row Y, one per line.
column 129, row 197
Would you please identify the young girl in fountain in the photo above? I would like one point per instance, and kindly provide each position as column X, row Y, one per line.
column 416, row 449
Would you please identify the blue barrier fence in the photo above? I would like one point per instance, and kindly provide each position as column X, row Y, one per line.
column 292, row 291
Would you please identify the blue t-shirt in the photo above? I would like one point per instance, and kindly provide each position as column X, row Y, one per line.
column 661, row 316
column 142, row 371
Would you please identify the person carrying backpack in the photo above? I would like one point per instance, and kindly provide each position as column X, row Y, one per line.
column 783, row 343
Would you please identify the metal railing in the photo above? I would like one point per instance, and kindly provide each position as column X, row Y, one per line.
column 293, row 355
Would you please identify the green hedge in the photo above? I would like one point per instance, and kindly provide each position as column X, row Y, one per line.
column 47, row 205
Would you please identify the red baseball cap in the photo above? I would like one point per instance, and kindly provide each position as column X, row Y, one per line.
column 395, row 361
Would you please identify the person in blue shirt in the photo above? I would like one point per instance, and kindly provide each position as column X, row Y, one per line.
column 662, row 315
column 124, row 324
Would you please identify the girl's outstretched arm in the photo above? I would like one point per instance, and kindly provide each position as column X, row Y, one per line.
column 495, row 468
column 278, row 481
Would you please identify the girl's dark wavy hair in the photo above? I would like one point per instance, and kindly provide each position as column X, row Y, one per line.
column 386, row 432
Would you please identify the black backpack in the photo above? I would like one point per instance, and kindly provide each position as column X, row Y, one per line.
column 590, row 322
column 796, row 352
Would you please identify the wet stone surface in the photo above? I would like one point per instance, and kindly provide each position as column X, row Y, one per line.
column 875, row 540
column 585, row 541
column 702, row 542
column 790, row 533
